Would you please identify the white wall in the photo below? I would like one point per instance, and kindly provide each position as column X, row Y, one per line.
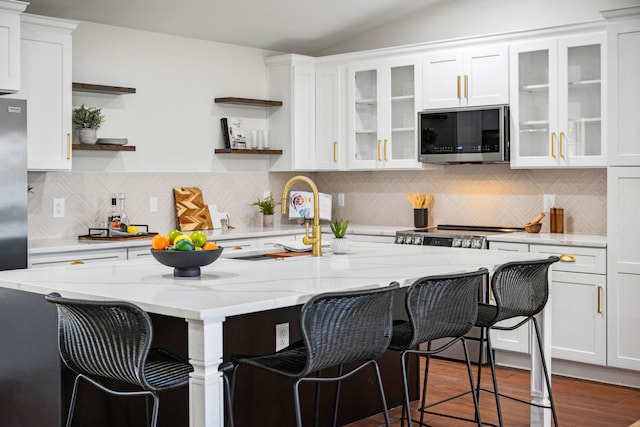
column 451, row 19
column 172, row 119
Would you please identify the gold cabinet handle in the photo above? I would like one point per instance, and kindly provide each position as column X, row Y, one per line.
column 466, row 87
column 385, row 149
column 459, row 87
column 567, row 258
column 378, row 150
column 76, row 262
column 69, row 139
column 335, row 153
column 553, row 144
column 561, row 150
column 600, row 299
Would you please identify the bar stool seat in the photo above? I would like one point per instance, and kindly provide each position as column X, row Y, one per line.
column 338, row 328
column 101, row 340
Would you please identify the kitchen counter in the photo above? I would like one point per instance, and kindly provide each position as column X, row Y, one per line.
column 559, row 239
column 235, row 287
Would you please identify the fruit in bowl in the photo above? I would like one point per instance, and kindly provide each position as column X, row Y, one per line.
column 186, row 263
column 185, row 253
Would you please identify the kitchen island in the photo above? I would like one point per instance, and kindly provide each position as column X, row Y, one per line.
column 236, row 287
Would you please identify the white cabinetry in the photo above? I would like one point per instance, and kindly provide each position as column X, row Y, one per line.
column 291, row 79
column 382, row 113
column 624, row 90
column 466, row 77
column 330, row 153
column 623, row 205
column 77, row 257
column 557, row 102
column 578, row 304
column 46, row 85
column 10, row 45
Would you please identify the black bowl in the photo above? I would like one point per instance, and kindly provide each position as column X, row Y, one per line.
column 186, row 263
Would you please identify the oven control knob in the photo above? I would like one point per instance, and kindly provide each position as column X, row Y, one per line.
column 399, row 239
column 456, row 242
column 476, row 244
column 466, row 243
column 417, row 240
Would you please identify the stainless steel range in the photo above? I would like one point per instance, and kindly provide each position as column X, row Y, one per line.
column 455, row 236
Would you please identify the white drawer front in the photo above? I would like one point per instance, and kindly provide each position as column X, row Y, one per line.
column 576, row 259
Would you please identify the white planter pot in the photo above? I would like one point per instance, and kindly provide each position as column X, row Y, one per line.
column 267, row 220
column 340, row 246
column 87, row 136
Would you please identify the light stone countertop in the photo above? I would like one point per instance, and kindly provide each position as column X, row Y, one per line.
column 231, row 286
column 558, row 239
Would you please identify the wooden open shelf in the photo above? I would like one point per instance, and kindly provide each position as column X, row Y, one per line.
column 103, row 147
column 114, row 90
column 249, row 101
column 245, row 151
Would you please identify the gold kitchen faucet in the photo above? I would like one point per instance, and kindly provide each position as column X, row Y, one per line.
column 315, row 240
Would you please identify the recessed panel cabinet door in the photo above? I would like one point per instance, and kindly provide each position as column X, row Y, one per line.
column 10, row 46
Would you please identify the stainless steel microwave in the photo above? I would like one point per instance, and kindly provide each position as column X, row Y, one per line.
column 464, row 135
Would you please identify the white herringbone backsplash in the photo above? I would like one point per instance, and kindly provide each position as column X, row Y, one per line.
column 464, row 194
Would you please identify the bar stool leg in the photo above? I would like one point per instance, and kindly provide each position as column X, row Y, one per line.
column 473, row 388
column 405, row 401
column 492, row 364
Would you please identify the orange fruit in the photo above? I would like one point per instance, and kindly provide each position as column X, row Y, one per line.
column 160, row 242
column 209, row 246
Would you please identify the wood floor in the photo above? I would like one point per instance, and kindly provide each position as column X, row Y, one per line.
column 579, row 403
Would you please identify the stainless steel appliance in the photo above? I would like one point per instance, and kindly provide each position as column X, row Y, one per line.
column 464, row 135
column 13, row 175
column 456, row 236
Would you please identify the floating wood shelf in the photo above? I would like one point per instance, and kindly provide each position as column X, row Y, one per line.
column 249, row 101
column 114, row 90
column 103, row 147
column 245, row 151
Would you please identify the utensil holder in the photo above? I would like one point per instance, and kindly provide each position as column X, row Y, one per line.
column 420, row 218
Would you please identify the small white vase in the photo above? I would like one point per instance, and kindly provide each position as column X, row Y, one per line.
column 267, row 220
column 340, row 246
column 87, row 136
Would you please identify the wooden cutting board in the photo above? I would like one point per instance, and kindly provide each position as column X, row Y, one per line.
column 192, row 212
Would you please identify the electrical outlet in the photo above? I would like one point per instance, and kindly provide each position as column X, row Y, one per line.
column 340, row 199
column 282, row 336
column 153, row 204
column 58, row 208
column 549, row 201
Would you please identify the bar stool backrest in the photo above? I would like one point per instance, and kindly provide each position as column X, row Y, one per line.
column 521, row 288
column 443, row 306
column 343, row 327
column 108, row 339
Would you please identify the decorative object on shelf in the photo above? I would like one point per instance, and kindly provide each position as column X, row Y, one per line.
column 87, row 121
column 237, row 137
column 340, row 244
column 112, row 141
column 267, row 209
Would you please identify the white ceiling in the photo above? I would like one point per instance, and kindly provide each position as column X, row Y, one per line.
column 305, row 27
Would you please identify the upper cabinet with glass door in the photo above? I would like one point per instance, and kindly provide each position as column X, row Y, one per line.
column 557, row 110
column 383, row 107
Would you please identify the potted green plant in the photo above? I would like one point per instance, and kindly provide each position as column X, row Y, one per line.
column 340, row 244
column 267, row 208
column 87, row 121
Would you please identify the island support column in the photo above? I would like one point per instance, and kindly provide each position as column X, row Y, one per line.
column 541, row 417
column 206, row 395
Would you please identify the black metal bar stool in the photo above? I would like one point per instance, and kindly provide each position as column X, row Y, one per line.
column 337, row 328
column 444, row 306
column 519, row 289
column 112, row 340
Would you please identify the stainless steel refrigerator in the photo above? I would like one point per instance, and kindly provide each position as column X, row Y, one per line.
column 13, row 187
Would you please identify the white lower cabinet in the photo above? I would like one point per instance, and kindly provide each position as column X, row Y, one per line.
column 578, row 304
column 76, row 257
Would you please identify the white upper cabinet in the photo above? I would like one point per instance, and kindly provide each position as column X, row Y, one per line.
column 624, row 91
column 557, row 102
column 292, row 80
column 46, row 85
column 331, row 149
column 466, row 77
column 382, row 113
column 10, row 45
